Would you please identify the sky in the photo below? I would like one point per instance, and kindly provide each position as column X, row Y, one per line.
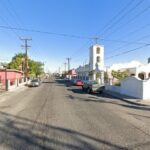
column 121, row 25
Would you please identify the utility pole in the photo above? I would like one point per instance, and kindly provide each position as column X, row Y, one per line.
column 68, row 59
column 26, row 46
column 59, row 70
column 65, row 66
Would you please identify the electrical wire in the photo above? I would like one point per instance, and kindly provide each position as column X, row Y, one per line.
column 126, row 52
column 123, row 16
column 111, row 21
column 129, row 21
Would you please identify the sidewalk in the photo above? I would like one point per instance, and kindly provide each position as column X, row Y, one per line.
column 23, row 86
column 129, row 99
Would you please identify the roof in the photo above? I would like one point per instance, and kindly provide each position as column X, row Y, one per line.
column 131, row 64
column 11, row 70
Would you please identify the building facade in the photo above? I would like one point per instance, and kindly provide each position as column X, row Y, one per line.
column 96, row 64
column 10, row 74
column 134, row 68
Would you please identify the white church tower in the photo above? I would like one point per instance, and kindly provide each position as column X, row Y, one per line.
column 97, row 61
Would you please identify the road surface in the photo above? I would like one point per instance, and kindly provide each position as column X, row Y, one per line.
column 59, row 117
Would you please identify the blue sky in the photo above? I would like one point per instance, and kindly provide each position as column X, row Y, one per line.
column 75, row 17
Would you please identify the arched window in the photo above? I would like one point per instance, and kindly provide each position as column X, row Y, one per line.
column 98, row 50
column 141, row 76
column 97, row 59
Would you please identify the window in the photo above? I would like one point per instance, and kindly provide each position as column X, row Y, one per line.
column 98, row 50
column 149, row 75
column 97, row 59
column 141, row 76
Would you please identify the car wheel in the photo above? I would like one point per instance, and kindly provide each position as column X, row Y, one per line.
column 83, row 88
column 89, row 91
column 100, row 92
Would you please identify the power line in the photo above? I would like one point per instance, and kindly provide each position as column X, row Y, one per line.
column 71, row 36
column 136, row 30
column 11, row 14
column 128, row 51
column 14, row 11
column 15, row 16
column 46, row 32
column 129, row 21
column 121, row 41
column 124, row 15
column 129, row 11
column 9, row 26
column 106, row 26
column 132, row 43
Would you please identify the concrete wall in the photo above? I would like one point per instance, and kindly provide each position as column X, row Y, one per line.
column 146, row 89
column 16, row 84
column 134, row 87
column 9, row 75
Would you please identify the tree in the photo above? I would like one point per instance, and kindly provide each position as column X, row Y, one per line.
column 119, row 75
column 17, row 62
column 98, row 75
column 35, row 68
column 106, row 77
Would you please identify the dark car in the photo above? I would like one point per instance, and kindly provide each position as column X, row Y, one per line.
column 92, row 87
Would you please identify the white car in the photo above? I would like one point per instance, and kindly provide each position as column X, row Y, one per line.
column 35, row 83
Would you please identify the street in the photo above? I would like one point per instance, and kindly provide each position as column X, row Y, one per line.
column 59, row 117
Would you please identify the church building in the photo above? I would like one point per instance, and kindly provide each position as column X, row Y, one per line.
column 95, row 69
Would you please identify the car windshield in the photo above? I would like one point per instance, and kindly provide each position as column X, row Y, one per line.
column 34, row 80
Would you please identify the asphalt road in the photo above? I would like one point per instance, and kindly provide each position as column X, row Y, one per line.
column 59, row 117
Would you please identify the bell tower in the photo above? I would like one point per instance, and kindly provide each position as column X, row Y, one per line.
column 96, row 59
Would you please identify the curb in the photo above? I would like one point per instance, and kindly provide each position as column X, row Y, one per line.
column 124, row 99
column 12, row 90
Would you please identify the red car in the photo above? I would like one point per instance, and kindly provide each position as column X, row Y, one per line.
column 79, row 83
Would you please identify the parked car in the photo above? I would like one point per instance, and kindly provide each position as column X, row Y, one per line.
column 92, row 87
column 35, row 83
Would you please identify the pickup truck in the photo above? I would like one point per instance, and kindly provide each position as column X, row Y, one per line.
column 92, row 87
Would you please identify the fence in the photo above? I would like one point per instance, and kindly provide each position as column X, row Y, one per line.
column 132, row 86
column 12, row 83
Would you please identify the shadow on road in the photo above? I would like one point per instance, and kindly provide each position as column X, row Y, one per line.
column 76, row 90
column 105, row 98
column 22, row 133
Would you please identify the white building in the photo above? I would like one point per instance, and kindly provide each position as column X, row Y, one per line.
column 134, row 68
column 96, row 63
